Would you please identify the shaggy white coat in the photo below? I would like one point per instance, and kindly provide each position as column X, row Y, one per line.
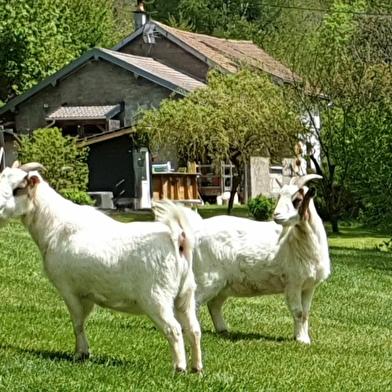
column 92, row 259
column 238, row 257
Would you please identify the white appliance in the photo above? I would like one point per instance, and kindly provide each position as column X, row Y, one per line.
column 103, row 200
column 162, row 167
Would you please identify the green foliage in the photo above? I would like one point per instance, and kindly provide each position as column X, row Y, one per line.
column 238, row 115
column 262, row 21
column 347, row 64
column 77, row 197
column 65, row 162
column 262, row 207
column 38, row 37
column 123, row 18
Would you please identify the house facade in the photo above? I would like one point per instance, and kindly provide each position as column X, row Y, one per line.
column 195, row 54
column 100, row 93
column 123, row 84
column 94, row 97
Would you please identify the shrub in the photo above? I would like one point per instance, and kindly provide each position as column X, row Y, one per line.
column 65, row 162
column 77, row 197
column 262, row 207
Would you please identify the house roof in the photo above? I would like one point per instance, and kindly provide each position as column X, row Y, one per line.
column 218, row 52
column 84, row 112
column 141, row 66
column 174, row 80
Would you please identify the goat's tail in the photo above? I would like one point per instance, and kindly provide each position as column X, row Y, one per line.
column 175, row 216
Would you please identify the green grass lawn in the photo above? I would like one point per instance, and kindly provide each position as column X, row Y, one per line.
column 207, row 211
column 351, row 328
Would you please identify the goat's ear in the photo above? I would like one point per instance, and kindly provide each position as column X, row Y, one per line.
column 304, row 207
column 311, row 192
column 34, row 180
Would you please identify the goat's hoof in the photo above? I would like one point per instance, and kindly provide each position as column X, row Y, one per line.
column 180, row 369
column 303, row 339
column 78, row 357
column 197, row 370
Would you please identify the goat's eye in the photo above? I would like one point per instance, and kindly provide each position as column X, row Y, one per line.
column 19, row 191
column 297, row 202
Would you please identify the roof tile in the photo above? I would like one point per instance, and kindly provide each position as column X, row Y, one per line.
column 229, row 53
column 163, row 71
column 79, row 112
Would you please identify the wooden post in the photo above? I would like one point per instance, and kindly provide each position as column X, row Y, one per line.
column 176, row 183
column 186, row 188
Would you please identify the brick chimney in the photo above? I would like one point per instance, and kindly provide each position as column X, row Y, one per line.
column 140, row 15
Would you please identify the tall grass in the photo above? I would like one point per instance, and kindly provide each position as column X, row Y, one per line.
column 351, row 329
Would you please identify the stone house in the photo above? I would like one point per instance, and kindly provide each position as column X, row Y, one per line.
column 97, row 96
column 195, row 54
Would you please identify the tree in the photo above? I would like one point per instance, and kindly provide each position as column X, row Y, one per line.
column 237, row 116
column 342, row 69
column 123, row 18
column 372, row 181
column 65, row 162
column 38, row 37
column 272, row 24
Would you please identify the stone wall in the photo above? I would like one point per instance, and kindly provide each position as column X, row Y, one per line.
column 263, row 181
column 97, row 83
column 167, row 52
column 259, row 176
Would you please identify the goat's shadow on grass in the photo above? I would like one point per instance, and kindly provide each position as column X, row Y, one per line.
column 243, row 336
column 62, row 356
column 45, row 354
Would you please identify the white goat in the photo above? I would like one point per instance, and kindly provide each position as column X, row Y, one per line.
column 237, row 257
column 139, row 268
column 193, row 218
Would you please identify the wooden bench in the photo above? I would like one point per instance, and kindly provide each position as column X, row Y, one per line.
column 177, row 186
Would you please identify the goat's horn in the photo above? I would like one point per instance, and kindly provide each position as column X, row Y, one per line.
column 301, row 181
column 28, row 167
column 16, row 164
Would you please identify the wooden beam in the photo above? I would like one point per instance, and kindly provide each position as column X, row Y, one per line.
column 107, row 136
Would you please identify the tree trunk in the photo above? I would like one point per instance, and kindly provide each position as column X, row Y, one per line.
column 335, row 225
column 235, row 160
column 329, row 196
column 234, row 188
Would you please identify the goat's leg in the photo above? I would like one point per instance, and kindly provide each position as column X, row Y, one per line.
column 294, row 303
column 79, row 309
column 307, row 296
column 186, row 313
column 163, row 317
column 215, row 309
